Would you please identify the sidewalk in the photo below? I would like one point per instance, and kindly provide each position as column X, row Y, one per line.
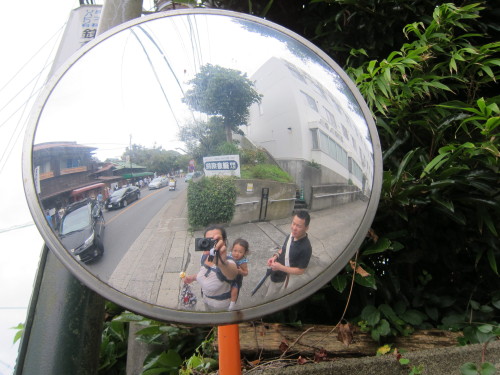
column 150, row 269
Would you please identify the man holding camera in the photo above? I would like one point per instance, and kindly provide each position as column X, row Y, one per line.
column 293, row 257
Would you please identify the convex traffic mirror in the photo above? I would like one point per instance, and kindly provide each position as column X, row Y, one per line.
column 138, row 116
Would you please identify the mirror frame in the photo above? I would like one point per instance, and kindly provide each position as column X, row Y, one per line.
column 183, row 316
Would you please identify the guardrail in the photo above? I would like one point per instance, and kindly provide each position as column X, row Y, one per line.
column 242, row 203
column 335, row 194
column 281, row 200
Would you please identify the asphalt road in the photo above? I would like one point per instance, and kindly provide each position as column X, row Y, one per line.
column 124, row 225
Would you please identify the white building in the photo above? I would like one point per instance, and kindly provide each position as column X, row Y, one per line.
column 302, row 121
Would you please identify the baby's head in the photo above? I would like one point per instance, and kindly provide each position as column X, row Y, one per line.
column 240, row 249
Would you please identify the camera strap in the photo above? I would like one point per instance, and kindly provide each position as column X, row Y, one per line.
column 287, row 258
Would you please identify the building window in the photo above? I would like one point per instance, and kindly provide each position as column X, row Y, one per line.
column 344, row 131
column 331, row 118
column 333, row 149
column 315, row 141
column 72, row 163
column 310, row 101
column 318, row 89
column 45, row 167
column 356, row 170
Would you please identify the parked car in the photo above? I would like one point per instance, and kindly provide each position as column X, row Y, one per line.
column 158, row 183
column 82, row 230
column 192, row 175
column 122, row 197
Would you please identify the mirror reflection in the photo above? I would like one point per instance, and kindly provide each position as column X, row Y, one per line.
column 182, row 122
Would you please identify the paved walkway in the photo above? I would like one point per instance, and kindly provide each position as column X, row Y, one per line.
column 150, row 269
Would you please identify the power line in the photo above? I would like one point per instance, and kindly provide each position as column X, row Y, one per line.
column 20, row 126
column 31, row 58
column 19, row 226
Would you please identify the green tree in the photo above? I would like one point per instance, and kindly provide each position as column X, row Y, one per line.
column 223, row 93
column 203, row 138
column 155, row 159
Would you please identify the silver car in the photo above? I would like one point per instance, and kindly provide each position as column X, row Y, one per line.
column 158, row 183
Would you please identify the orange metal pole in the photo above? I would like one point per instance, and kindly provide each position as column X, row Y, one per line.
column 229, row 350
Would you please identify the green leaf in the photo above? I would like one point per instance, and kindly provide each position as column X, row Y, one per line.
column 404, row 163
column 19, row 333
column 445, row 203
column 413, row 317
column 495, row 300
column 380, row 246
column 367, row 281
column 434, row 163
column 383, row 328
column 492, row 260
column 485, row 328
column 390, row 314
column 488, row 368
column 371, row 314
column 432, row 312
column 339, row 283
column 439, row 85
column 468, row 368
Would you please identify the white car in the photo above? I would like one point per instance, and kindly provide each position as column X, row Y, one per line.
column 158, row 183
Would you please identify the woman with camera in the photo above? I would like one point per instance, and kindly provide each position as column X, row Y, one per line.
column 217, row 271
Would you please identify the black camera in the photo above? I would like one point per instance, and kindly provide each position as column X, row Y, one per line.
column 204, row 244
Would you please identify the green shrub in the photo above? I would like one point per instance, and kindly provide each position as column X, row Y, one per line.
column 211, row 200
column 226, row 148
column 252, row 157
column 267, row 172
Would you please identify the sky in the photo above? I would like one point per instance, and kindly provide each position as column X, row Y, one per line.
column 30, row 38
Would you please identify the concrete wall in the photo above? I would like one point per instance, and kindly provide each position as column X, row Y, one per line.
column 446, row 361
column 280, row 204
column 328, row 196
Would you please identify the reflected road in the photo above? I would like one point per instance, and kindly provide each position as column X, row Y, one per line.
column 123, row 227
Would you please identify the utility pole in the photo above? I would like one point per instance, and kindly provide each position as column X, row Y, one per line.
column 64, row 321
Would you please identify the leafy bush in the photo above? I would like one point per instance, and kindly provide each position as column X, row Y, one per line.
column 226, row 148
column 173, row 343
column 211, row 201
column 252, row 156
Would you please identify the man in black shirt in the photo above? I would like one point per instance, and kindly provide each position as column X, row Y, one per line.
column 293, row 257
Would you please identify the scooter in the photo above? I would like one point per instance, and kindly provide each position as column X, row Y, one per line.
column 171, row 184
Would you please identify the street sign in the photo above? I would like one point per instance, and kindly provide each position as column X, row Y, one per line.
column 224, row 165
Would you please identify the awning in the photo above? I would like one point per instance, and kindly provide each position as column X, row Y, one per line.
column 87, row 188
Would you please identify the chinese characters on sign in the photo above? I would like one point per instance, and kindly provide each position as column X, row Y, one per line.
column 90, row 21
column 224, row 165
column 80, row 29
